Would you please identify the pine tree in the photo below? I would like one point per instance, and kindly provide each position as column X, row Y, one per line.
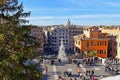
column 17, row 45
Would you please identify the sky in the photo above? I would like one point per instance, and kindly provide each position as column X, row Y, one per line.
column 79, row 12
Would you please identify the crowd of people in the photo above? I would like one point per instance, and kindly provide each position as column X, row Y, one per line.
column 83, row 75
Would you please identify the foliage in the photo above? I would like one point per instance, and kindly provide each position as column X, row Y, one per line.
column 17, row 45
column 91, row 54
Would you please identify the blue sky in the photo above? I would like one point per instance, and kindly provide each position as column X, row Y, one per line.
column 80, row 12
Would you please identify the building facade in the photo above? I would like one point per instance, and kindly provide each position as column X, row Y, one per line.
column 92, row 41
column 38, row 32
column 73, row 30
column 56, row 34
column 116, row 41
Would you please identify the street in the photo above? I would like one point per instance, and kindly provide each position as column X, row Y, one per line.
column 58, row 69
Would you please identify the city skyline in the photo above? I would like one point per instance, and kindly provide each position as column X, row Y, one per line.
column 80, row 12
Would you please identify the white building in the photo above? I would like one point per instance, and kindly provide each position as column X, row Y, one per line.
column 66, row 33
column 57, row 33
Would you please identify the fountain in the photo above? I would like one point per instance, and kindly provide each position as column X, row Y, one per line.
column 62, row 54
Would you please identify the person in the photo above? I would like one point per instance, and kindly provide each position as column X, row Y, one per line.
column 83, row 78
column 75, row 78
column 60, row 78
column 100, row 78
column 70, row 79
column 78, row 70
column 59, row 60
column 46, row 69
column 78, row 64
column 89, row 72
column 92, row 77
column 86, row 72
column 52, row 62
column 92, row 72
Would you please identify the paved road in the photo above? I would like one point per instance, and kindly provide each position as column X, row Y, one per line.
column 58, row 69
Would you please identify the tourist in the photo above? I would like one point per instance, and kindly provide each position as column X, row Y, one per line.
column 75, row 78
column 91, row 77
column 83, row 78
column 59, row 60
column 92, row 72
column 86, row 72
column 60, row 78
column 46, row 69
column 70, row 79
column 89, row 72
column 100, row 78
column 78, row 70
column 105, row 68
column 52, row 62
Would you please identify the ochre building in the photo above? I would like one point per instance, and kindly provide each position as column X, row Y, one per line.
column 92, row 41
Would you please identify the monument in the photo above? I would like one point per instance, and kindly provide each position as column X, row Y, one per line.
column 61, row 53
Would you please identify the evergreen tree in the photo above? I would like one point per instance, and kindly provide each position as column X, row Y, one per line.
column 16, row 44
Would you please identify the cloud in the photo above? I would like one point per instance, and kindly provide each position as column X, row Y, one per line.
column 59, row 9
column 114, row 4
column 75, row 16
column 41, row 17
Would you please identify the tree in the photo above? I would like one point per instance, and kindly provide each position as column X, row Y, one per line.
column 17, row 45
column 91, row 54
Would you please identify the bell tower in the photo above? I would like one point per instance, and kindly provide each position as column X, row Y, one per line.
column 68, row 23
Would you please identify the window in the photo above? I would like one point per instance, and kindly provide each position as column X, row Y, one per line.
column 105, row 43
column 98, row 43
column 87, row 44
column 79, row 43
column 94, row 43
column 104, row 51
column 91, row 43
column 66, row 43
column 76, row 42
column 98, row 51
column 115, row 43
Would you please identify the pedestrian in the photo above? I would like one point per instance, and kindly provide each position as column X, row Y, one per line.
column 89, row 72
column 78, row 70
column 92, row 77
column 59, row 60
column 46, row 69
column 78, row 64
column 105, row 68
column 86, row 72
column 92, row 72
column 75, row 78
column 60, row 78
column 70, row 79
column 99, row 78
column 84, row 77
